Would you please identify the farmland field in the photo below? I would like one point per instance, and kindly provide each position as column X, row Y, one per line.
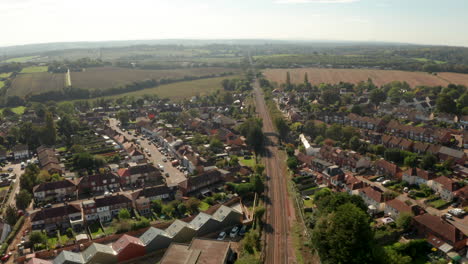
column 34, row 69
column 181, row 90
column 34, row 83
column 110, row 77
column 2, row 84
column 5, row 75
column 380, row 77
column 21, row 59
column 19, row 110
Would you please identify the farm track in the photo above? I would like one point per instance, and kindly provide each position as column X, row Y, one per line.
column 279, row 209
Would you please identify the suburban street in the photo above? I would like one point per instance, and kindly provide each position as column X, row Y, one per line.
column 175, row 176
column 17, row 171
column 279, row 208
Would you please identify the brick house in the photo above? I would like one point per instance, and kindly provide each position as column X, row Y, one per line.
column 445, row 187
column 58, row 190
column 417, row 176
column 143, row 198
column 106, row 208
column 435, row 228
column 373, row 197
column 98, row 183
column 60, row 217
column 138, row 175
column 198, row 182
column 446, row 153
column 386, row 168
column 395, row 207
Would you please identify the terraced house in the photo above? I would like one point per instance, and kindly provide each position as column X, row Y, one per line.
column 106, row 208
column 60, row 217
column 55, row 191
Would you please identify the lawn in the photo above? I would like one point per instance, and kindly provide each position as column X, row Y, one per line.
column 64, row 239
column 52, row 241
column 203, row 206
column 21, row 59
column 181, row 90
column 96, row 230
column 19, row 110
column 439, row 203
column 33, row 69
column 5, row 75
column 308, row 203
column 110, row 229
column 247, row 162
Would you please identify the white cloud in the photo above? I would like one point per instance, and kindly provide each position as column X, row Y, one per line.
column 314, row 1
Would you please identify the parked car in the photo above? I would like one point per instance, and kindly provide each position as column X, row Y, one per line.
column 243, row 230
column 6, row 257
column 234, row 232
column 164, row 160
column 448, row 216
column 305, row 197
column 10, row 169
column 166, row 174
column 386, row 182
column 221, row 236
column 380, row 179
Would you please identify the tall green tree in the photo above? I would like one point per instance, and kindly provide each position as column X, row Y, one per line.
column 50, row 133
column 344, row 236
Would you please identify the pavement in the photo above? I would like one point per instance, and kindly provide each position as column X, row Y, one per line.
column 175, row 176
column 17, row 171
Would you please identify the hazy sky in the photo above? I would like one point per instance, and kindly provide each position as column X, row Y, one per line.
column 414, row 21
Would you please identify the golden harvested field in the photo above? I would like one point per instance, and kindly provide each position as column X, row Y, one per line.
column 181, row 90
column 110, row 77
column 456, row 78
column 380, row 77
column 34, row 83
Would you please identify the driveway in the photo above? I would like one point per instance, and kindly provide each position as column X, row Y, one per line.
column 175, row 176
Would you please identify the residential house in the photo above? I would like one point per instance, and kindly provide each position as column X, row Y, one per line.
column 386, row 168
column 128, row 247
column 334, row 177
column 439, row 233
column 373, row 197
column 68, row 257
column 136, row 155
column 200, row 251
column 394, row 208
column 180, row 231
column 144, row 197
column 48, row 160
column 445, row 187
column 420, row 147
column 57, row 191
column 20, row 151
column 99, row 183
column 353, row 184
column 199, row 182
column 138, row 175
column 446, row 153
column 309, row 150
column 417, row 176
column 106, row 208
column 64, row 216
column 98, row 254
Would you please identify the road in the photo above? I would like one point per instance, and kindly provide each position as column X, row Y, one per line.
column 279, row 209
column 17, row 171
column 175, row 176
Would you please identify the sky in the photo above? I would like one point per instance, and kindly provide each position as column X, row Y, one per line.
column 438, row 22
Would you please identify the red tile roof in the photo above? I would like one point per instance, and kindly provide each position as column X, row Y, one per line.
column 440, row 227
column 399, row 206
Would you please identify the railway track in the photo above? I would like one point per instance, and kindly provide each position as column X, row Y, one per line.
column 279, row 209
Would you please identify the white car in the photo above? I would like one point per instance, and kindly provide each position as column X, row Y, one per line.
column 234, row 232
column 222, row 236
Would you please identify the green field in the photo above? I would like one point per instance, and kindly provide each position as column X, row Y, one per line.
column 2, row 84
column 427, row 60
column 19, row 110
column 181, row 90
column 247, row 162
column 21, row 59
column 34, row 83
column 5, row 75
column 34, row 69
